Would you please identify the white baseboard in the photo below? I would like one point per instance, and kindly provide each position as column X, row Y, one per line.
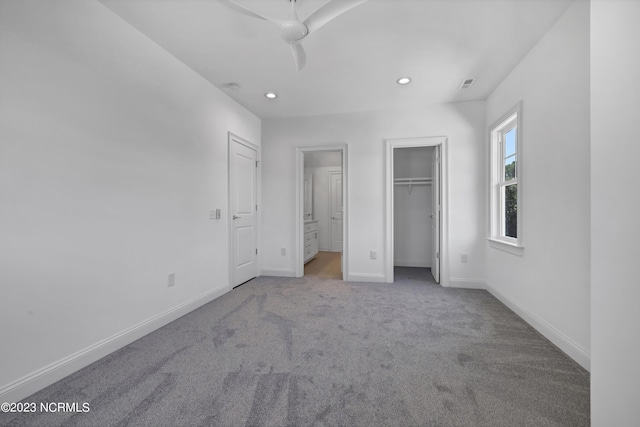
column 366, row 277
column 563, row 342
column 405, row 263
column 278, row 272
column 36, row 381
column 467, row 283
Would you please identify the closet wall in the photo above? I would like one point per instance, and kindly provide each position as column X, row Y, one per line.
column 413, row 236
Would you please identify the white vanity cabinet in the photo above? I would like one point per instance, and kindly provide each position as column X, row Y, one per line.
column 310, row 239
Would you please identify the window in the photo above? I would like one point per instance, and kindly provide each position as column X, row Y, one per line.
column 506, row 172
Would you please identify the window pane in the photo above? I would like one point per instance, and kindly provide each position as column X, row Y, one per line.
column 510, row 168
column 510, row 143
column 511, row 211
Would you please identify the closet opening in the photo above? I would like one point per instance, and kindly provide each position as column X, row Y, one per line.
column 416, row 206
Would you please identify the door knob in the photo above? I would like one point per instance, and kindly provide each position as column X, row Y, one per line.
column 236, row 217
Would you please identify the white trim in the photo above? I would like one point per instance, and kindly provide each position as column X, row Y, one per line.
column 506, row 246
column 278, row 272
column 230, row 138
column 366, row 277
column 38, row 380
column 563, row 342
column 299, row 205
column 390, row 145
column 459, row 283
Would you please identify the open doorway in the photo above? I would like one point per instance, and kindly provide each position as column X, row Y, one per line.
column 322, row 229
column 416, row 208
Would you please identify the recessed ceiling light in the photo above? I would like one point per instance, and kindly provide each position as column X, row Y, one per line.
column 403, row 81
column 271, row 95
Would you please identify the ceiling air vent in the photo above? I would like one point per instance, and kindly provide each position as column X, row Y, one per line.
column 466, row 83
column 231, row 86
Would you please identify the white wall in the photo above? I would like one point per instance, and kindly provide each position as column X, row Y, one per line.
column 615, row 209
column 413, row 236
column 413, row 162
column 322, row 203
column 112, row 152
column 550, row 285
column 365, row 133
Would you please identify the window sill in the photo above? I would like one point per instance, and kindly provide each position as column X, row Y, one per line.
column 512, row 248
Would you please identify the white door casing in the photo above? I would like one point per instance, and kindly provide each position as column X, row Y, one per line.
column 243, row 207
column 336, row 211
column 435, row 215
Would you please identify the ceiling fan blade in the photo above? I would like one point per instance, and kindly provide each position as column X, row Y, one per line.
column 328, row 12
column 241, row 9
column 299, row 55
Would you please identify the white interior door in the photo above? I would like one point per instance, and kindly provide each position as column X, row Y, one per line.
column 435, row 215
column 243, row 199
column 336, row 211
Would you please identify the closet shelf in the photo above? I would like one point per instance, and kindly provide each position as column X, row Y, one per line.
column 412, row 181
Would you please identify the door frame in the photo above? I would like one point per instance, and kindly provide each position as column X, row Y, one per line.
column 231, row 139
column 299, row 206
column 431, row 141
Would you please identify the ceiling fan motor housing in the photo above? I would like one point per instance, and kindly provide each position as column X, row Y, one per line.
column 293, row 31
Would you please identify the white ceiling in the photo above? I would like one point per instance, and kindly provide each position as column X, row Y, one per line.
column 354, row 61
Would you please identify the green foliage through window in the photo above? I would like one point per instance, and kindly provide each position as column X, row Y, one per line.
column 511, row 211
column 510, row 171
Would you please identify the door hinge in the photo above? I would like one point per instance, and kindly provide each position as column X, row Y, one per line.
column 256, row 208
column 256, row 251
column 437, row 255
column 257, row 163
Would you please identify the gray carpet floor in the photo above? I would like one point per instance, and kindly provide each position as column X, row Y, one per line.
column 308, row 351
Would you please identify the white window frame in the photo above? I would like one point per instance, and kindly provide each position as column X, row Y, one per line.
column 497, row 233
